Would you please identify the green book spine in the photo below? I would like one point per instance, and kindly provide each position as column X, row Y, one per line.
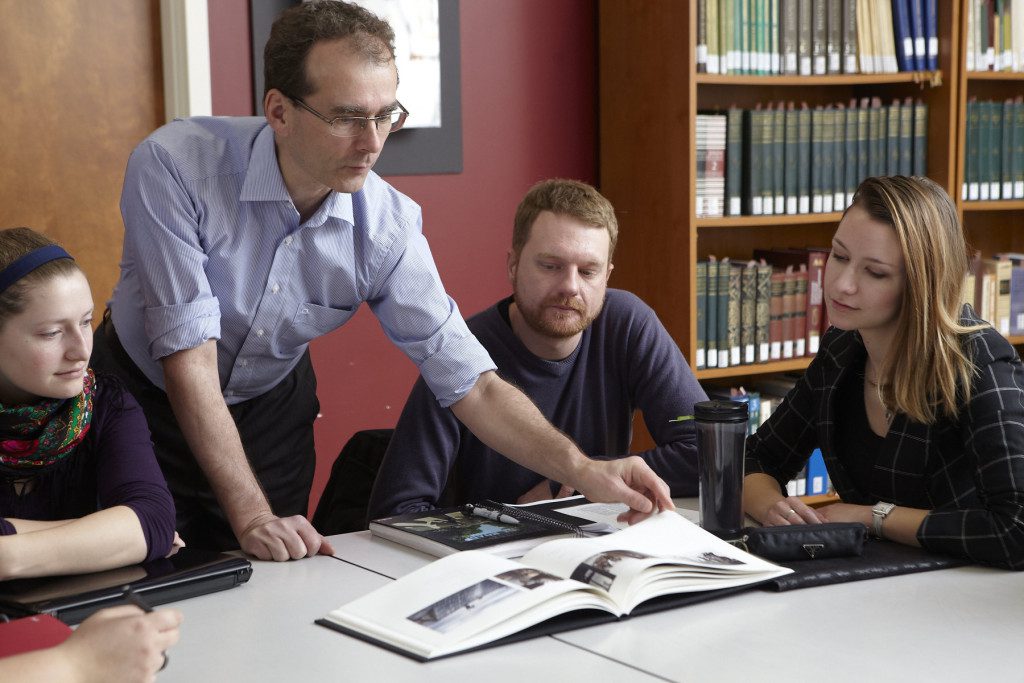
column 748, row 313
column 995, row 188
column 763, row 313
column 828, row 136
column 835, row 36
column 838, row 166
column 906, row 165
column 850, row 37
column 711, row 327
column 768, row 163
column 876, row 153
column 819, row 37
column 973, row 133
column 1018, row 148
column 725, row 33
column 804, row 159
column 850, row 141
column 920, row 162
column 702, row 314
column 757, row 36
column 778, row 157
column 817, row 131
column 752, row 153
column 735, row 304
column 803, row 37
column 745, row 32
column 791, row 161
column 863, row 139
column 892, row 139
column 722, row 298
column 738, row 17
column 775, row 65
column 984, row 149
column 734, row 162
column 1006, row 169
column 713, row 33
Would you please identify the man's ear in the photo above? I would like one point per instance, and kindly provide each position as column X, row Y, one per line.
column 608, row 275
column 511, row 264
column 276, row 110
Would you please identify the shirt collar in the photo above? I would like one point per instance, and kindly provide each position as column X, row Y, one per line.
column 264, row 182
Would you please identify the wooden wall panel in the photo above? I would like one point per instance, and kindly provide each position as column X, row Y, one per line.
column 83, row 86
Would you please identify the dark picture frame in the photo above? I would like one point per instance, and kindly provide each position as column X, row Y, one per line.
column 410, row 151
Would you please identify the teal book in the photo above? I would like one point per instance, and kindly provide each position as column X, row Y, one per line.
column 984, row 149
column 839, row 163
column 791, row 164
column 906, row 146
column 778, row 158
column 892, row 139
column 804, row 159
column 1018, row 147
column 850, row 160
column 863, row 139
column 748, row 313
column 787, row 36
column 722, row 296
column 971, row 171
column 768, row 161
column 876, row 139
column 817, row 132
column 920, row 160
column 995, row 180
column 763, row 312
column 752, row 151
column 1006, row 167
column 701, row 276
column 711, row 336
column 828, row 122
column 734, row 162
column 803, row 37
column 735, row 303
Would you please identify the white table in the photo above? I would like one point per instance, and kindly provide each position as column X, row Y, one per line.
column 954, row 624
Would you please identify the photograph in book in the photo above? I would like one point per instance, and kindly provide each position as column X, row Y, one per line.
column 470, row 599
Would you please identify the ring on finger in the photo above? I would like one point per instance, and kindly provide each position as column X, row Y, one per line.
column 791, row 512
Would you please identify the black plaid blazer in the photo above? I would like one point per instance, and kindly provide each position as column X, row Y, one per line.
column 969, row 472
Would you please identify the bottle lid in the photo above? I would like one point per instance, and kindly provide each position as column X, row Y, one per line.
column 720, row 411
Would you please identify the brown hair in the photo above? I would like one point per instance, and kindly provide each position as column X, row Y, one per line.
column 15, row 243
column 568, row 198
column 927, row 369
column 299, row 28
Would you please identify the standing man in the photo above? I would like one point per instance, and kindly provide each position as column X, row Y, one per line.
column 586, row 355
column 247, row 238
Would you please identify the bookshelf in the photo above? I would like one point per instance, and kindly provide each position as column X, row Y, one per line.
column 650, row 93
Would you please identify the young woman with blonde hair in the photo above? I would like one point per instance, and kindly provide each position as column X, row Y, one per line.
column 916, row 403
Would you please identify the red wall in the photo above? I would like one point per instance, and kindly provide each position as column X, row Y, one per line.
column 528, row 112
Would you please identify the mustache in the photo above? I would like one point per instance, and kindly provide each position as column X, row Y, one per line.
column 574, row 304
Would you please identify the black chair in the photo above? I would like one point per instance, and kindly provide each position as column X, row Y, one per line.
column 343, row 505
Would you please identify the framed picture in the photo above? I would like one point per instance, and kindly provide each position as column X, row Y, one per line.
column 431, row 141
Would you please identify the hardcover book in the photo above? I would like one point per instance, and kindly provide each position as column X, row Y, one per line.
column 471, row 600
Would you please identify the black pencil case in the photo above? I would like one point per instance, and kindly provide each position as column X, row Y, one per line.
column 805, row 541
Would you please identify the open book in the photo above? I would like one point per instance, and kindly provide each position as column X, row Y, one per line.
column 470, row 599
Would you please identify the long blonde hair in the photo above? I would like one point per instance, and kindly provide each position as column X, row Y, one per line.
column 927, row 372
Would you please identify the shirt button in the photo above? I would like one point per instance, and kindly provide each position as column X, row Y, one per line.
column 259, row 333
column 275, row 288
column 243, row 362
column 288, row 239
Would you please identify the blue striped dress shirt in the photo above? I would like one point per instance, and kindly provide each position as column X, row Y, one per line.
column 214, row 249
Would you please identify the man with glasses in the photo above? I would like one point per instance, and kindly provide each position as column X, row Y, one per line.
column 247, row 238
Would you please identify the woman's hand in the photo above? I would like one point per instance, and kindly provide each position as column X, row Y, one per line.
column 788, row 511
column 845, row 512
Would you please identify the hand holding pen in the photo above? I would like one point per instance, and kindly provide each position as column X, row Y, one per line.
column 133, row 598
column 487, row 513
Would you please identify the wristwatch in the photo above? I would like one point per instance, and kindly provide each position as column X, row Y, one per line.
column 878, row 515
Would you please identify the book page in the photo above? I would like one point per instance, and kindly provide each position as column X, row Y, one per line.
column 662, row 555
column 464, row 600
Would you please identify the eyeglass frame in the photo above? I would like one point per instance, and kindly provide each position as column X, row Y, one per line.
column 363, row 120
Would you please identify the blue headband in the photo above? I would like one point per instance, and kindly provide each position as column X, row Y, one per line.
column 29, row 262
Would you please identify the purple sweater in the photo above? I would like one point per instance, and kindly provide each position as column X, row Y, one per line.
column 114, row 465
column 625, row 361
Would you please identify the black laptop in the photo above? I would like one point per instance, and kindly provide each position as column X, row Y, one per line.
column 71, row 599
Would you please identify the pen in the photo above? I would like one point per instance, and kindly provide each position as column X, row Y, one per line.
column 477, row 511
column 131, row 596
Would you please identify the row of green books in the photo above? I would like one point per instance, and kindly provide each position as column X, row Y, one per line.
column 784, row 159
column 994, row 167
column 995, row 35
column 810, row 37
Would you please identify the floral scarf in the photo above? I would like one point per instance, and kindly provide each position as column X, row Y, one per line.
column 35, row 437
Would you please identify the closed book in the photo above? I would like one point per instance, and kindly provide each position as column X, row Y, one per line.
column 789, row 313
column 931, row 34
column 1006, row 151
column 834, row 48
column 714, row 54
column 817, row 474
column 803, row 36
column 892, row 139
column 904, row 36
column 920, row 147
column 995, row 184
column 906, row 144
column 828, row 136
column 752, row 152
column 728, row 37
column 804, row 159
column 775, row 327
column 762, row 332
column 735, row 304
column 850, row 62
column 885, row 28
column 812, row 260
column 470, row 600
column 838, row 159
column 712, row 313
column 748, row 313
column 971, row 171
column 1018, row 144
column 775, row 66
column 984, row 149
column 916, row 10
column 788, row 36
column 702, row 36
column 863, row 139
column 791, row 163
column 865, row 24
column 850, row 151
column 876, row 138
column 746, row 52
column 734, row 162
column 701, row 277
column 1003, row 275
column 1016, row 261
column 819, row 37
column 817, row 143
column 778, row 191
column 799, row 314
column 768, row 161
column 450, row 530
column 722, row 297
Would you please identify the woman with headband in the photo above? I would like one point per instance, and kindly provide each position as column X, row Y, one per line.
column 80, row 489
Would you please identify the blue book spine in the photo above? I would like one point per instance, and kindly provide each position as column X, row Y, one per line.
column 904, row 40
column 817, row 475
column 917, row 31
column 931, row 32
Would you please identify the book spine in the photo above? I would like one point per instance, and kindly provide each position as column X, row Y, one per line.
column 906, row 165
column 904, row 38
column 835, row 36
column 850, row 142
column 711, row 335
column 839, row 164
column 1004, row 271
column 817, row 129
column 803, row 37
column 734, row 310
column 995, row 185
column 702, row 36
column 984, row 152
column 931, row 32
column 920, row 39
column 775, row 330
column 815, row 298
column 702, row 315
column 744, row 43
column 876, row 150
column 892, row 139
column 800, row 312
column 850, row 29
column 804, row 159
column 828, row 124
column 762, row 333
column 768, row 161
column 791, row 164
column 788, row 312
column 755, row 159
column 1006, row 170
column 863, row 139
column 734, row 162
column 748, row 313
column 778, row 158
column 725, row 36
column 775, row 66
column 790, row 64
column 722, row 299
column 1017, row 300
column 971, row 170
column 712, row 31
column 1018, row 144
column 819, row 37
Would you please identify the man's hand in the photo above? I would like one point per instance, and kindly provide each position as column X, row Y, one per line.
column 542, row 491
column 269, row 537
column 625, row 480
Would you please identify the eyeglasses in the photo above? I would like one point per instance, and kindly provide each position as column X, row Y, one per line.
column 352, row 126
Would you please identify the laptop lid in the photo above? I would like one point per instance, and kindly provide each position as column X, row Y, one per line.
column 71, row 599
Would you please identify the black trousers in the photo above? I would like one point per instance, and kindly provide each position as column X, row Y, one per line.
column 276, row 431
